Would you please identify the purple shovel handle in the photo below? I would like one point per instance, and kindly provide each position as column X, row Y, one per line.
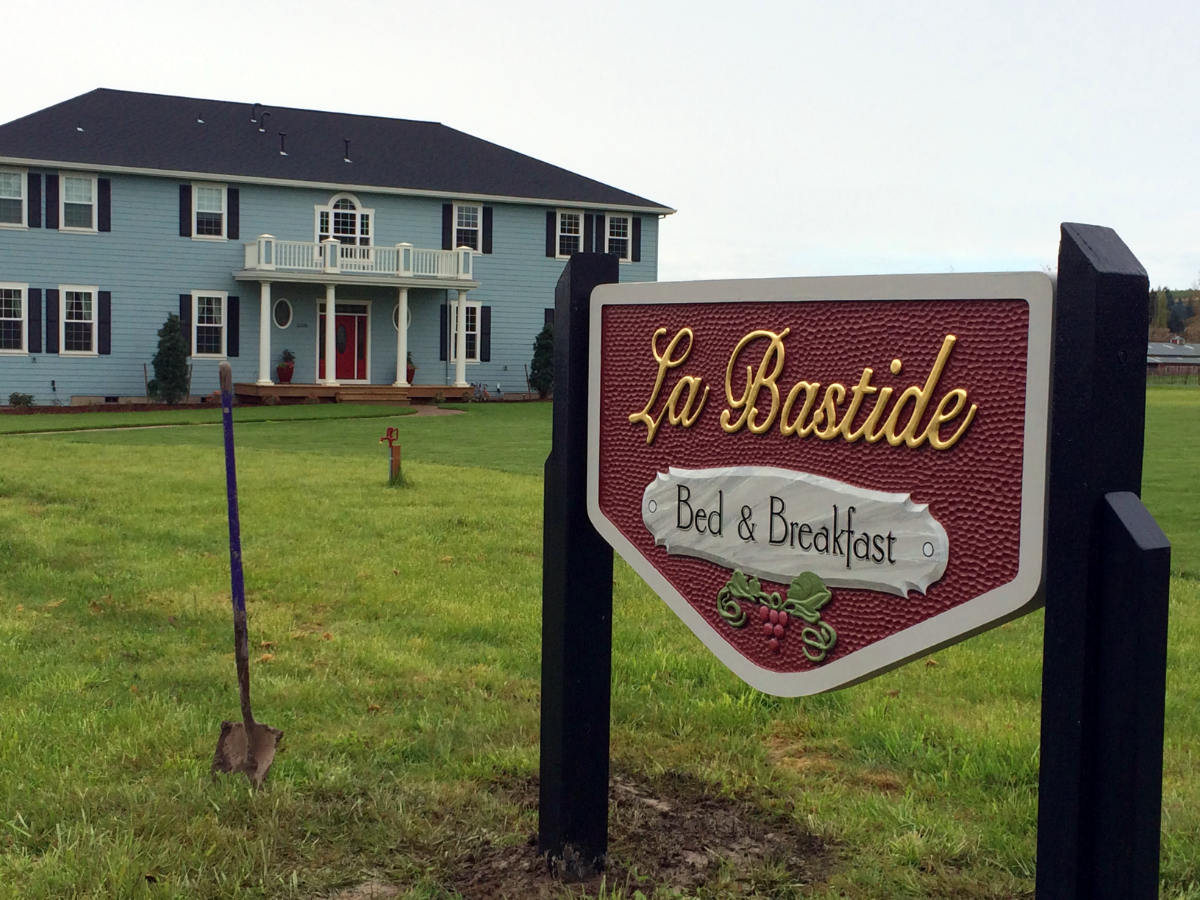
column 237, row 584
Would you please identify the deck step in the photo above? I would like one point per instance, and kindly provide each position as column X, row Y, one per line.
column 363, row 395
column 347, row 393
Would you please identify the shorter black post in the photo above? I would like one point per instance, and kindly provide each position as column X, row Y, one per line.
column 1124, row 768
column 576, row 603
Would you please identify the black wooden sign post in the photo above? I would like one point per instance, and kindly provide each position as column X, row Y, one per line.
column 576, row 603
column 1105, row 580
column 1106, row 584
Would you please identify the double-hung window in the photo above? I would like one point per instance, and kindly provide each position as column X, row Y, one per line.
column 12, row 198
column 77, row 319
column 78, row 203
column 616, row 236
column 208, row 323
column 570, row 232
column 13, row 326
column 208, row 211
column 470, row 225
column 467, row 226
column 472, row 332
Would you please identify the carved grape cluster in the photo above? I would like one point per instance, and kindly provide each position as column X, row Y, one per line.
column 775, row 622
column 806, row 596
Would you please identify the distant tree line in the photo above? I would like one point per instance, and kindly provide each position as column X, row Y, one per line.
column 1173, row 312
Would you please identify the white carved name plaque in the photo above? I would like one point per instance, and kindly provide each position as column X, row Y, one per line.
column 776, row 523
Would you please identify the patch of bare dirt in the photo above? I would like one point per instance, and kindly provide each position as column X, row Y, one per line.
column 670, row 832
column 809, row 761
column 369, row 890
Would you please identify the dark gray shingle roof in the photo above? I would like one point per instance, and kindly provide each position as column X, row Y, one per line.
column 1165, row 353
column 158, row 132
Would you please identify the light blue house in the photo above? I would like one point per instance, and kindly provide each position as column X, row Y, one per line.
column 251, row 222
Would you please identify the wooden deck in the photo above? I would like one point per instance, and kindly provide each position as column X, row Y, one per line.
column 254, row 394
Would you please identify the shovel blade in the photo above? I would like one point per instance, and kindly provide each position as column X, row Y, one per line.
column 249, row 750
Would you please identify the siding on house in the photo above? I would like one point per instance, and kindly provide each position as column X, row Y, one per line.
column 139, row 258
column 146, row 265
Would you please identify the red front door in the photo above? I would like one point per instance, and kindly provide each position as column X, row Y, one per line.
column 350, row 347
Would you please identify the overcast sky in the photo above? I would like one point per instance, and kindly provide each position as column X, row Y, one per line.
column 793, row 138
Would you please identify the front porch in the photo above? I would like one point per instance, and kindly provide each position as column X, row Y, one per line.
column 364, row 368
column 253, row 394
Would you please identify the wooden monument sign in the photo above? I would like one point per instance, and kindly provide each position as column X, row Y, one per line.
column 826, row 477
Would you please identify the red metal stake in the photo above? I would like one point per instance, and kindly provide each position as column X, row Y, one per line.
column 391, row 436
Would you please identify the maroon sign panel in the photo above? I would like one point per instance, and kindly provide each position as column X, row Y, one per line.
column 824, row 477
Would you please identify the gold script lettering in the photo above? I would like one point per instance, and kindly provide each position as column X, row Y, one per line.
column 829, row 411
column 679, row 409
column 769, row 369
column 920, row 397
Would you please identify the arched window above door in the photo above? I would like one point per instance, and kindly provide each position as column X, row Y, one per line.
column 345, row 220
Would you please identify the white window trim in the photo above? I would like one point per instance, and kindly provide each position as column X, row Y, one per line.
column 224, row 189
column 628, row 257
column 291, row 317
column 23, row 176
column 360, row 210
column 92, row 289
column 558, row 231
column 224, row 295
column 452, row 321
column 478, row 207
column 62, row 202
column 396, row 316
column 24, row 289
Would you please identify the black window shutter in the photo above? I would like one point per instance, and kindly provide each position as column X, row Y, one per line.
column 35, row 320
column 447, row 226
column 551, row 232
column 233, row 223
column 635, row 251
column 487, row 229
column 185, row 210
column 51, row 321
column 104, row 323
column 232, row 326
column 485, row 334
column 185, row 319
column 442, row 348
column 549, row 315
column 35, row 200
column 104, row 209
column 51, row 201
column 589, row 232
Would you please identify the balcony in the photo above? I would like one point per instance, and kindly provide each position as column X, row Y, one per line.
column 398, row 264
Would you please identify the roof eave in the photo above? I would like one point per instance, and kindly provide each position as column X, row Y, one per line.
column 328, row 185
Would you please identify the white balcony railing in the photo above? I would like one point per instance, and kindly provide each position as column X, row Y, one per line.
column 330, row 256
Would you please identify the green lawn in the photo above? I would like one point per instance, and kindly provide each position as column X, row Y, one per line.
column 396, row 638
column 25, row 423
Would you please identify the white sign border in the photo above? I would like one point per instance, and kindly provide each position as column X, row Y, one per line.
column 985, row 611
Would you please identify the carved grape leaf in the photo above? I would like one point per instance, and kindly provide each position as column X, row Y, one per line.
column 805, row 597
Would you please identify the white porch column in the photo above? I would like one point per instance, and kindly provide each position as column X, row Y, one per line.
column 402, row 339
column 264, row 333
column 330, row 341
column 460, row 342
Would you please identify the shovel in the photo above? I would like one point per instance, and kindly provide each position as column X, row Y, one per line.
column 245, row 746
